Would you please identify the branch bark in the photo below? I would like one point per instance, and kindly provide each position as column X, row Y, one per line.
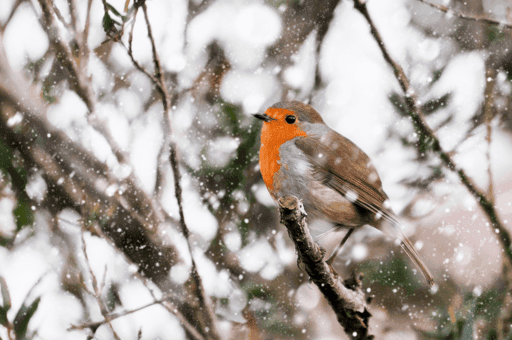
column 346, row 298
column 421, row 126
column 476, row 18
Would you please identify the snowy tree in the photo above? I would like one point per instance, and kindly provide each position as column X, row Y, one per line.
column 131, row 201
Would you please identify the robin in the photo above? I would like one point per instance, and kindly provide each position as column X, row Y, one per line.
column 340, row 188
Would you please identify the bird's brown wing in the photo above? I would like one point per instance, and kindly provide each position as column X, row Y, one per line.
column 342, row 166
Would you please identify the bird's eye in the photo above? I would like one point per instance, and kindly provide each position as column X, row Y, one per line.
column 290, row 119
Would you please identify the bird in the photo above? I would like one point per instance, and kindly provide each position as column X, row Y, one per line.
column 337, row 182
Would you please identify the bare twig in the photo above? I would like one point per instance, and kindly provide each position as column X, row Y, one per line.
column 466, row 16
column 73, row 13
column 346, row 298
column 84, row 48
column 415, row 113
column 164, row 302
column 159, row 74
column 95, row 325
column 322, row 28
column 82, row 87
column 488, row 108
column 62, row 20
column 96, row 289
column 130, row 51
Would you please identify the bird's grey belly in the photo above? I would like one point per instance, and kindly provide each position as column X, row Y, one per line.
column 296, row 177
column 330, row 215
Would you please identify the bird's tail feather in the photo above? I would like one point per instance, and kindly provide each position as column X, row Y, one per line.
column 413, row 255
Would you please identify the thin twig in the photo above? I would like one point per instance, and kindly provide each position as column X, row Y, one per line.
column 415, row 113
column 130, row 51
column 84, row 48
column 96, row 291
column 95, row 325
column 488, row 116
column 466, row 16
column 83, row 88
column 73, row 13
column 62, row 20
column 346, row 298
column 165, row 302
column 159, row 74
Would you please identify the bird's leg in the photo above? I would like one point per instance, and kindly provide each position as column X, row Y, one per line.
column 338, row 248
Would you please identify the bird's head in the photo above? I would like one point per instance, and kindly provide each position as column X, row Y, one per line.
column 284, row 121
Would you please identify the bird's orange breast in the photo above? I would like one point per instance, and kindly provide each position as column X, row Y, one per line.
column 273, row 135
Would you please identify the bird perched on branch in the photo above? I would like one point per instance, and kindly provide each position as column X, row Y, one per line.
column 340, row 188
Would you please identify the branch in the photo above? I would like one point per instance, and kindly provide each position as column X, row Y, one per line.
column 165, row 301
column 79, row 80
column 346, row 298
column 96, row 288
column 415, row 113
column 84, row 47
column 466, row 16
column 301, row 18
column 489, row 112
column 158, row 80
column 71, row 172
column 94, row 325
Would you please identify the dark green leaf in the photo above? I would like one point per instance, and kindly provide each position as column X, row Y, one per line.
column 23, row 213
column 113, row 10
column 399, row 104
column 12, row 165
column 436, row 104
column 6, row 241
column 5, row 158
column 3, row 317
column 492, row 335
column 6, row 297
column 23, row 318
column 489, row 304
column 436, row 75
column 108, row 23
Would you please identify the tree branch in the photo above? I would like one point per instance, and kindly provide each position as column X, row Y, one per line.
column 76, row 178
column 79, row 80
column 96, row 288
column 415, row 113
column 84, row 46
column 210, row 321
column 346, row 298
column 165, row 301
column 466, row 16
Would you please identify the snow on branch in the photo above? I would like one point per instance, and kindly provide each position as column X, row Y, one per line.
column 345, row 297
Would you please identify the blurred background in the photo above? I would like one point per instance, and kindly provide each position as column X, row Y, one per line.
column 89, row 221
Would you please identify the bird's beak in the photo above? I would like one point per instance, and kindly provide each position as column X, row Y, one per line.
column 263, row 117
